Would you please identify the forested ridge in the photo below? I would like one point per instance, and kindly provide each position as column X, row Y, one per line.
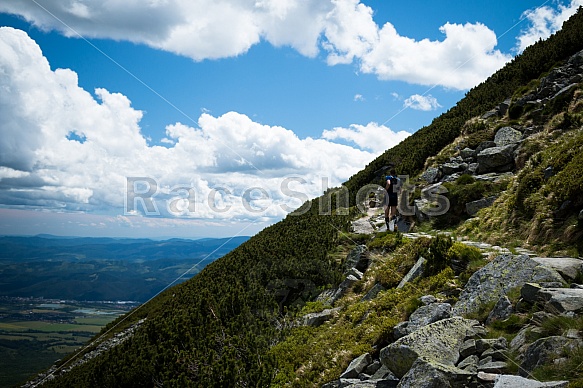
column 216, row 329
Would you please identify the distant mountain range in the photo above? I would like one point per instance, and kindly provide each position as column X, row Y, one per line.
column 84, row 268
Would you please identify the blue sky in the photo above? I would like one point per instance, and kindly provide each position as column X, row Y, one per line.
column 230, row 113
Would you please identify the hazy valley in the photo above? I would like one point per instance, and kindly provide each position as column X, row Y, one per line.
column 56, row 293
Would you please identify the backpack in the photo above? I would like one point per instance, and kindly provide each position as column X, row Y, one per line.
column 395, row 184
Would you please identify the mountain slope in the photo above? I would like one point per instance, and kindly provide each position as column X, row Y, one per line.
column 218, row 328
column 410, row 155
column 215, row 329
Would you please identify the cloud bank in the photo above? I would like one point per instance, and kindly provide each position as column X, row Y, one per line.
column 343, row 30
column 65, row 149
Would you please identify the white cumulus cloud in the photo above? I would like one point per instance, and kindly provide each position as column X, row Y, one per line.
column 343, row 29
column 545, row 21
column 65, row 149
column 374, row 137
column 419, row 102
column 464, row 58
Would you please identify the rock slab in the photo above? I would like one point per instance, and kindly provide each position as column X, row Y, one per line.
column 561, row 300
column 473, row 207
column 498, row 277
column 568, row 267
column 414, row 273
column 438, row 342
column 510, row 381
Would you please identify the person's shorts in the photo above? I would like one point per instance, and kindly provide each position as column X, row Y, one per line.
column 393, row 199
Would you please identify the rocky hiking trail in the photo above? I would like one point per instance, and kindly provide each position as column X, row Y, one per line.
column 374, row 222
column 439, row 347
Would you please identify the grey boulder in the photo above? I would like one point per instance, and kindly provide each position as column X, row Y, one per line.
column 423, row 316
column 357, row 366
column 569, row 267
column 428, row 374
column 510, row 381
column 438, row 342
column 561, row 300
column 473, row 207
column 507, row 135
column 498, row 277
column 544, row 350
column 496, row 159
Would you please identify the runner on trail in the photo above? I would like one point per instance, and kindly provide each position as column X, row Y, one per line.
column 392, row 186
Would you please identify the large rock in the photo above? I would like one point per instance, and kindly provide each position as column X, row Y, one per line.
column 493, row 367
column 428, row 374
column 357, row 258
column 496, row 159
column 357, row 366
column 520, row 339
column 330, row 296
column 483, row 344
column 414, row 273
column 354, row 272
column 498, row 277
column 473, row 207
column 425, row 315
column 431, row 175
column 469, row 363
column 384, row 378
column 502, row 310
column 357, row 383
column 373, row 292
column 327, row 296
column 561, row 300
column 467, row 153
column 451, row 168
column 484, row 145
column 494, row 177
column 362, row 226
column 504, row 105
column 422, row 208
column 439, row 342
column 529, row 292
column 510, row 381
column 507, row 135
column 316, row 319
column 564, row 90
column 544, row 351
column 569, row 267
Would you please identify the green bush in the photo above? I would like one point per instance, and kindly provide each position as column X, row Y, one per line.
column 463, row 252
column 391, row 271
column 386, row 241
column 515, row 111
column 465, row 179
column 474, row 139
column 436, row 255
column 474, row 126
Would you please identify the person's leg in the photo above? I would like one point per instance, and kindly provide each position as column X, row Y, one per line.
column 393, row 212
column 392, row 206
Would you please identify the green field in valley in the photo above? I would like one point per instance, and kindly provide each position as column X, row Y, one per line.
column 34, row 332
